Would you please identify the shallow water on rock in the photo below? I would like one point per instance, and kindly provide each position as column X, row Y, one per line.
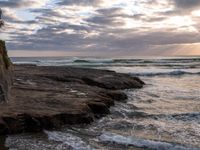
column 164, row 115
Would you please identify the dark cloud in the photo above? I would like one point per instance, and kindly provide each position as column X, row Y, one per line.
column 105, row 21
column 112, row 12
column 187, row 4
column 80, row 2
column 183, row 7
column 17, row 3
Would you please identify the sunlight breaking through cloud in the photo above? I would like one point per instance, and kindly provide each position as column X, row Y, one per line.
column 128, row 27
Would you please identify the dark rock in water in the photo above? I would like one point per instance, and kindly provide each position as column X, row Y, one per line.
column 5, row 73
column 98, row 108
column 2, row 143
column 113, row 82
column 116, row 95
column 50, row 97
column 2, row 96
column 3, row 127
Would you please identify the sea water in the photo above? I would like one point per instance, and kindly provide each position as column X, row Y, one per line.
column 164, row 115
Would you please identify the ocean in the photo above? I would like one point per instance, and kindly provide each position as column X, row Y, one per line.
column 164, row 115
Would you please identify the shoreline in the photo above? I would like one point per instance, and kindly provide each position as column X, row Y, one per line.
column 50, row 97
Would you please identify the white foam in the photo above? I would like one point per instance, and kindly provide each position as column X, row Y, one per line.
column 73, row 141
column 25, row 63
column 141, row 143
column 171, row 73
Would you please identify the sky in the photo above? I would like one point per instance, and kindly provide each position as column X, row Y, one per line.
column 105, row 28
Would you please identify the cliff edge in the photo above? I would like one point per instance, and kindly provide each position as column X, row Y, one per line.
column 5, row 73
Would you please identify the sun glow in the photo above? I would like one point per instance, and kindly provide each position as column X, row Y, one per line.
column 188, row 49
column 196, row 13
column 180, row 21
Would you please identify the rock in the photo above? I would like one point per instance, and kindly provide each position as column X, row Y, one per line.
column 98, row 107
column 5, row 73
column 112, row 82
column 116, row 95
column 50, row 97
column 3, row 127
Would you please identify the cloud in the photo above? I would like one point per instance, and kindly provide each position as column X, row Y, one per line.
column 187, row 4
column 100, row 27
column 22, row 3
column 80, row 2
column 183, row 7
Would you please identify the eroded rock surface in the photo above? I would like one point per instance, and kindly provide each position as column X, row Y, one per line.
column 5, row 73
column 49, row 97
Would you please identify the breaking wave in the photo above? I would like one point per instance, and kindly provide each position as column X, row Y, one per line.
column 74, row 142
column 141, row 143
column 171, row 73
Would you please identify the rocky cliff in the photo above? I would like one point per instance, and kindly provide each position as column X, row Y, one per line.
column 5, row 73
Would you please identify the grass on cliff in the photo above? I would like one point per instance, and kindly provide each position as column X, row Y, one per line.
column 4, row 54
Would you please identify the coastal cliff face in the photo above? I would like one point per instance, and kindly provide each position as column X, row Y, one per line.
column 5, row 73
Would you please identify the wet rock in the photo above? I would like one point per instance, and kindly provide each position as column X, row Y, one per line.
column 116, row 95
column 50, row 97
column 3, row 127
column 114, row 82
column 2, row 94
column 5, row 73
column 98, row 108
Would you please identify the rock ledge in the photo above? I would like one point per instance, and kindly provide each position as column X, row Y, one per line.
column 50, row 97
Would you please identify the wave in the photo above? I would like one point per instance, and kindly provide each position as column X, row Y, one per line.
column 104, row 62
column 74, row 142
column 141, row 143
column 26, row 62
column 140, row 61
column 170, row 73
column 186, row 117
column 81, row 61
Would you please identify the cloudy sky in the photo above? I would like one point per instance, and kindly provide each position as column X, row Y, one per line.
column 101, row 27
